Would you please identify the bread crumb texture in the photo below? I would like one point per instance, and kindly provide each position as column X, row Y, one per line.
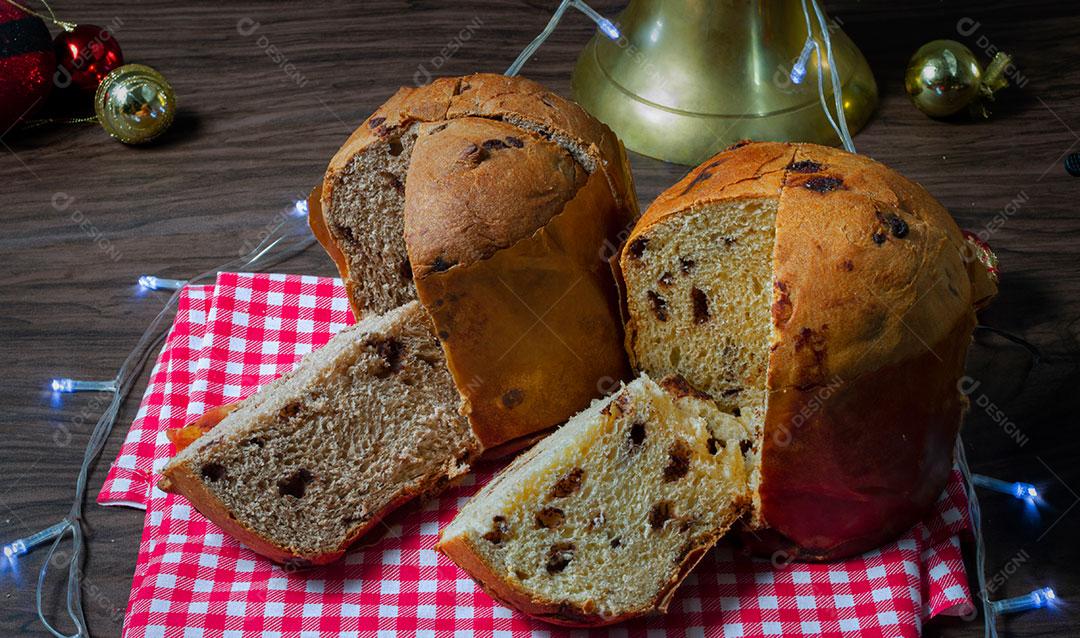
column 316, row 457
column 601, row 520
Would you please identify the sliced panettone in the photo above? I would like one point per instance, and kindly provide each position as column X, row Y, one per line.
column 304, row 467
column 832, row 301
column 497, row 204
column 603, row 519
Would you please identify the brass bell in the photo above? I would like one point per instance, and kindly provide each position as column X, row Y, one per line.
column 686, row 78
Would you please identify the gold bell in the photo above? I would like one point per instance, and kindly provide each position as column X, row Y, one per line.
column 686, row 78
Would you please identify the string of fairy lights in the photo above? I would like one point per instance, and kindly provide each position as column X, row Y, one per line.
column 288, row 238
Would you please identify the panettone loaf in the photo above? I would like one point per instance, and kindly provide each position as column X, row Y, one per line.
column 496, row 203
column 828, row 299
column 305, row 466
column 603, row 519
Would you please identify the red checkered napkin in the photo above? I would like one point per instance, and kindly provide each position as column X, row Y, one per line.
column 192, row 580
column 164, row 404
column 258, row 327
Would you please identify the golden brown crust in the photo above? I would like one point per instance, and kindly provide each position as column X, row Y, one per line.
column 870, row 461
column 477, row 186
column 317, row 222
column 872, row 313
column 870, row 265
column 520, row 100
column 532, row 334
column 879, row 314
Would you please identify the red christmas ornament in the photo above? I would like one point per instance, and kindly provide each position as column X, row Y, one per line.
column 26, row 65
column 84, row 56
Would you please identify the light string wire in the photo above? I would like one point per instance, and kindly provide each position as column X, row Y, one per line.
column 606, row 27
column 975, row 514
column 33, row 124
column 1032, row 349
column 839, row 124
column 990, row 610
column 273, row 249
column 531, row 48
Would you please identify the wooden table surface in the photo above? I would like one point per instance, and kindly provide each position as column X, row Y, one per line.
column 251, row 137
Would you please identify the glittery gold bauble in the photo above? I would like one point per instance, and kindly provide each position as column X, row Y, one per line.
column 135, row 104
column 943, row 77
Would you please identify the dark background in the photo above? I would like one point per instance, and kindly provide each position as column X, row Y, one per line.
column 248, row 141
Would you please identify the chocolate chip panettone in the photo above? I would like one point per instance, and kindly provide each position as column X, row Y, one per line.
column 828, row 299
column 496, row 203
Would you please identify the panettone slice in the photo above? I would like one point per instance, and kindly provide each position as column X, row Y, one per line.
column 307, row 465
column 603, row 519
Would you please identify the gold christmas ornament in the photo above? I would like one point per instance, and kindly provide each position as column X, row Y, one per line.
column 944, row 77
column 135, row 104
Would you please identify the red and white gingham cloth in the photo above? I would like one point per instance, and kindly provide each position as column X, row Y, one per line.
column 194, row 581
column 164, row 404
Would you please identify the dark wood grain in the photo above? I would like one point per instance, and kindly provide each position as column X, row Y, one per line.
column 249, row 139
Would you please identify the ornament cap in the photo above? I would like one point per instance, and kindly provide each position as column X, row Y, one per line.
column 994, row 77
